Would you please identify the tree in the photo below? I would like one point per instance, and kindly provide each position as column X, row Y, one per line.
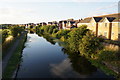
column 5, row 34
column 76, row 36
column 15, row 30
column 63, row 33
column 55, row 30
column 89, row 45
column 51, row 28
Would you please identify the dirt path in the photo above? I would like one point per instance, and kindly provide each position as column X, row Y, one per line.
column 5, row 60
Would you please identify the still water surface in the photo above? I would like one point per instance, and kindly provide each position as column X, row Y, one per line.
column 44, row 59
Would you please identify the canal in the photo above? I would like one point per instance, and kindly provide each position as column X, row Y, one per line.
column 42, row 58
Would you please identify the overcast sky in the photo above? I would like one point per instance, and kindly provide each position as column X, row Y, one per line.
column 36, row 11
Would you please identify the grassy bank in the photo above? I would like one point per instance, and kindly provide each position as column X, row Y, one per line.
column 15, row 58
column 85, row 43
column 6, row 46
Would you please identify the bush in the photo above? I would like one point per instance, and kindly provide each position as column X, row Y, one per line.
column 55, row 31
column 15, row 30
column 61, row 33
column 5, row 34
column 89, row 45
column 51, row 28
column 108, row 55
column 76, row 36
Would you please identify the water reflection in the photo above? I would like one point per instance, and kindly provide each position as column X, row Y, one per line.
column 45, row 59
column 79, row 63
column 49, row 39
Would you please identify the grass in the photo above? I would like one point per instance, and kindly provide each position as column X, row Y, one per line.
column 7, row 45
column 112, row 42
column 103, row 67
column 15, row 59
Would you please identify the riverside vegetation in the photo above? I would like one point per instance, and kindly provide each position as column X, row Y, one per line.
column 83, row 42
column 9, row 37
column 78, row 41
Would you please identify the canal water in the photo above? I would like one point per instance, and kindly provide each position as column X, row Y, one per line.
column 42, row 58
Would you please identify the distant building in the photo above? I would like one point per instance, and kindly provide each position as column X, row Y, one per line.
column 49, row 23
column 68, row 24
column 43, row 23
column 29, row 25
column 60, row 25
column 53, row 23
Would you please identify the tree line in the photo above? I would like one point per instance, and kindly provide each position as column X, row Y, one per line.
column 11, row 31
column 83, row 41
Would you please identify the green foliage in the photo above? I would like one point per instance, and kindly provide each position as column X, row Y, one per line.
column 101, row 66
column 89, row 45
column 49, row 29
column 15, row 30
column 31, row 26
column 37, row 28
column 76, row 36
column 61, row 33
column 15, row 59
column 5, row 34
column 55, row 31
column 106, row 55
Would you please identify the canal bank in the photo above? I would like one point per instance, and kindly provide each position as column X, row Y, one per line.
column 45, row 58
column 12, row 59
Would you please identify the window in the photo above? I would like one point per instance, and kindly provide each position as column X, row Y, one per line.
column 105, row 24
column 112, row 34
column 100, row 33
column 113, row 24
column 93, row 24
column 105, row 34
column 118, row 32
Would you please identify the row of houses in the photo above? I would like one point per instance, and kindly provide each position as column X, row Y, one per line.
column 107, row 26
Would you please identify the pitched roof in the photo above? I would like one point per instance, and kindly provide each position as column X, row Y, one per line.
column 111, row 18
column 110, row 15
column 116, row 20
column 86, row 20
column 49, row 22
column 64, row 21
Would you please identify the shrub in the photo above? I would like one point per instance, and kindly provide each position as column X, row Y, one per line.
column 76, row 36
column 51, row 28
column 5, row 34
column 89, row 45
column 107, row 55
column 15, row 30
column 55, row 31
column 61, row 33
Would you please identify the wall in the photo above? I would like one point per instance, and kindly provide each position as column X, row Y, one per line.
column 103, row 28
column 114, row 33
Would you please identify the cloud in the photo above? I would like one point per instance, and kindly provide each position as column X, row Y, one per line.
column 60, row 69
column 10, row 15
column 113, row 8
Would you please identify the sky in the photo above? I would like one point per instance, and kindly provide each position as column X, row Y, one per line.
column 36, row 11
